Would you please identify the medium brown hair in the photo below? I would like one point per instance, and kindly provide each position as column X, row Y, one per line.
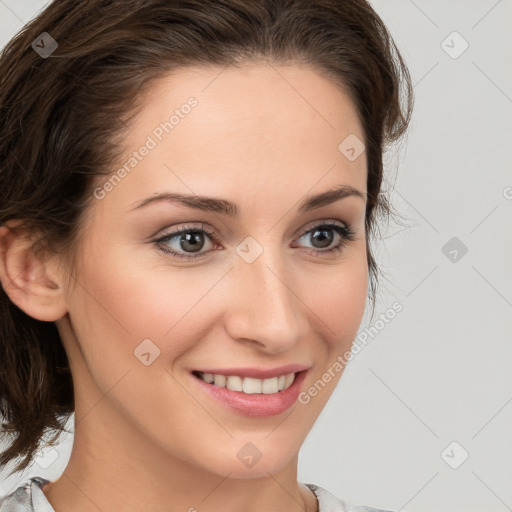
column 63, row 119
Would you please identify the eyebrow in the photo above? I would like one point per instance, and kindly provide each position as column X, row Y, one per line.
column 225, row 207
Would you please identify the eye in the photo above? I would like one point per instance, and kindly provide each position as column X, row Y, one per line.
column 322, row 235
column 188, row 238
column 192, row 239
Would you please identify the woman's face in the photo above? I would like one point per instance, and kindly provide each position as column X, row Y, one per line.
column 254, row 296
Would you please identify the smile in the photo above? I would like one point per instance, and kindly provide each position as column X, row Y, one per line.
column 252, row 392
column 248, row 385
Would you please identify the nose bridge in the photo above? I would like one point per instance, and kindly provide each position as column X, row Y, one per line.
column 266, row 308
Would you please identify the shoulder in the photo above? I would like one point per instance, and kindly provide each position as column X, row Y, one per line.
column 26, row 497
column 29, row 497
column 329, row 503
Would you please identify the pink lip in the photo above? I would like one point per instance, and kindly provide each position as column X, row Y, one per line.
column 255, row 404
column 256, row 373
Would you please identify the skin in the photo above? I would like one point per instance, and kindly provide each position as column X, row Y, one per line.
column 264, row 137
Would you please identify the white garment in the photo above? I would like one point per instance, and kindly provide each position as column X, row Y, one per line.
column 29, row 497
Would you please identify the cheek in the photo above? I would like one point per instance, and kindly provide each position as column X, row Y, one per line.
column 118, row 305
column 338, row 299
column 124, row 300
column 339, row 306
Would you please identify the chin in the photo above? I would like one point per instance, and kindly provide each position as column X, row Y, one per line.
column 253, row 460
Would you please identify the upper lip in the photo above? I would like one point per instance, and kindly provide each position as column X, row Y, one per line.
column 256, row 373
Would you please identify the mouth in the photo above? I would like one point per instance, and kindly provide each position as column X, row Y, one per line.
column 271, row 394
column 248, row 385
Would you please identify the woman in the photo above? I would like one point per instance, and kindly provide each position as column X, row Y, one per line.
column 188, row 190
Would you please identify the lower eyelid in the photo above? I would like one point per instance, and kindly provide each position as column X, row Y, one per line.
column 344, row 231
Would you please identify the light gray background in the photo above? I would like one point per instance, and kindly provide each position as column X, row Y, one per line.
column 439, row 371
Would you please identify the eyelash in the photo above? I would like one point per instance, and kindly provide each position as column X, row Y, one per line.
column 346, row 233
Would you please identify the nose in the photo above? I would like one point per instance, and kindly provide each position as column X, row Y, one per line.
column 267, row 307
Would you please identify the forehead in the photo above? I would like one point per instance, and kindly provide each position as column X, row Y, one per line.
column 255, row 99
column 265, row 130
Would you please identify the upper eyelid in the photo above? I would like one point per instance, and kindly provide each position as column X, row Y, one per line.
column 350, row 235
column 213, row 232
column 345, row 231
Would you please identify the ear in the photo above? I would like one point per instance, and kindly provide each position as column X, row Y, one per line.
column 33, row 285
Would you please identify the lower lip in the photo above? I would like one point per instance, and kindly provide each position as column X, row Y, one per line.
column 257, row 404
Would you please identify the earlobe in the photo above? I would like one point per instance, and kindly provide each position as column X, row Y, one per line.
column 26, row 280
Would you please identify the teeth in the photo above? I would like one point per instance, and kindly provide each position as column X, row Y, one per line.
column 270, row 386
column 250, row 385
column 234, row 383
column 219, row 380
column 289, row 379
column 208, row 377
